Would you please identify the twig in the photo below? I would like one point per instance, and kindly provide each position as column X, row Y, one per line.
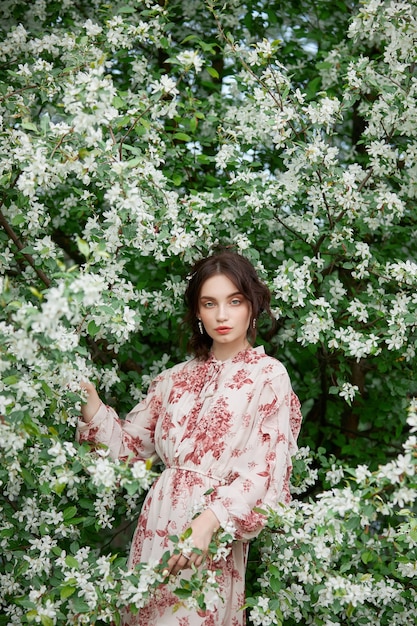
column 12, row 235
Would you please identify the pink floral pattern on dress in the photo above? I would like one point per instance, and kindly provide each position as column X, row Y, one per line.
column 239, row 379
column 229, row 427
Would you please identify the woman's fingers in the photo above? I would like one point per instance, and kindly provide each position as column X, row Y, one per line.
column 184, row 560
column 177, row 562
column 199, row 560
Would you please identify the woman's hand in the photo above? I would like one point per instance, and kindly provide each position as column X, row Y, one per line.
column 93, row 403
column 202, row 528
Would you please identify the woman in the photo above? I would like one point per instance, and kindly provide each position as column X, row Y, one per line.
column 225, row 422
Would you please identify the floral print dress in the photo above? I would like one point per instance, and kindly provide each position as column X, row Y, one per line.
column 225, row 426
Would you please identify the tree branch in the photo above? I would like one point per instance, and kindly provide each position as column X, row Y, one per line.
column 12, row 235
column 29, row 258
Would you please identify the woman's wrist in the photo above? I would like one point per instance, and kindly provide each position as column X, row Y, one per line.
column 211, row 519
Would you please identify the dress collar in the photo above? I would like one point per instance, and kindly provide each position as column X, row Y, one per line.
column 239, row 356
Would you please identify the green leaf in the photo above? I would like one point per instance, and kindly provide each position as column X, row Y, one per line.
column 275, row 584
column 193, row 124
column 83, row 247
column 10, row 380
column 66, row 592
column 69, row 512
column 182, row 137
column 18, row 219
column 118, row 102
column 131, row 487
column 213, row 72
column 80, row 606
column 126, row 9
column 28, row 477
column 133, row 149
column 134, row 162
column 31, row 615
column 46, row 389
column 205, row 159
column 174, row 538
column 324, row 65
column 72, row 562
column 189, row 38
column 58, row 488
column 92, row 328
column 183, row 593
column 29, row 126
column 367, row 557
column 187, row 533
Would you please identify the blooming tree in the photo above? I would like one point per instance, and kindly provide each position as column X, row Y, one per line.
column 136, row 137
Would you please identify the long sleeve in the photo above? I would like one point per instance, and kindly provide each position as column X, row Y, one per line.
column 130, row 438
column 261, row 471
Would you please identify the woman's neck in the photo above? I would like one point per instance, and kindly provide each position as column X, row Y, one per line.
column 223, row 352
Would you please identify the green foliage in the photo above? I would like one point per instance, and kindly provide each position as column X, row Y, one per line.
column 136, row 137
column 348, row 556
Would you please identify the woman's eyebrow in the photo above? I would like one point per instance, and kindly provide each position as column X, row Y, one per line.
column 235, row 293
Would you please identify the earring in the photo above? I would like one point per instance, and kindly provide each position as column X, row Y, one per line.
column 200, row 327
column 254, row 322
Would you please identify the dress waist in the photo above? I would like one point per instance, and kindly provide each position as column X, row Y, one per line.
column 184, row 468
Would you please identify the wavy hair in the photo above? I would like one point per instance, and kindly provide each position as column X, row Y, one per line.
column 243, row 275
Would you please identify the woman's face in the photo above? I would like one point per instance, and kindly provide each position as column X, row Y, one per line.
column 225, row 314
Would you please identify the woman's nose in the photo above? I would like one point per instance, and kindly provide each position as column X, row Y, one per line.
column 222, row 312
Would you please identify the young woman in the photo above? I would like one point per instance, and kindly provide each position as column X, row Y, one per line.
column 224, row 422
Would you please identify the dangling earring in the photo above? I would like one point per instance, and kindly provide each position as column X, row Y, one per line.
column 200, row 327
column 254, row 322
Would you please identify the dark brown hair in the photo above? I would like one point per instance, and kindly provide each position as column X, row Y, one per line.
column 242, row 274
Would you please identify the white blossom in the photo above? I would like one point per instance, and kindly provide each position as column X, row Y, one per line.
column 348, row 392
column 165, row 84
column 190, row 59
column 103, row 473
column 92, row 28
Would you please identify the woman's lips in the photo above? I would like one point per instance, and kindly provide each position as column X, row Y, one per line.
column 222, row 330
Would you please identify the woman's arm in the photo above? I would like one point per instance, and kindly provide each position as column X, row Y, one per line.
column 132, row 437
column 262, row 469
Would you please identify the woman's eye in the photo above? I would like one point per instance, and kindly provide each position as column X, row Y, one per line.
column 236, row 301
column 208, row 305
